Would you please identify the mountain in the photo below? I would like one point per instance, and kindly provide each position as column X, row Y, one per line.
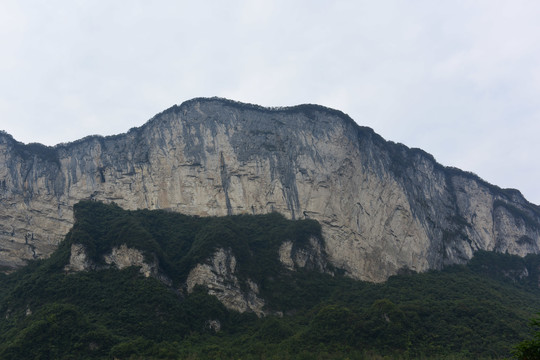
column 383, row 208
column 157, row 284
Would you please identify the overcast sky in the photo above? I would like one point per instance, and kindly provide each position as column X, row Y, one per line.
column 459, row 79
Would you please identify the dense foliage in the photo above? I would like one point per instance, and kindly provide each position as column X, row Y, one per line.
column 529, row 349
column 463, row 312
column 180, row 242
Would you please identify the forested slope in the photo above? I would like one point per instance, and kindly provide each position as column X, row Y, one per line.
column 475, row 311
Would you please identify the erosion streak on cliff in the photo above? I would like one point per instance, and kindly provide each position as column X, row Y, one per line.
column 383, row 207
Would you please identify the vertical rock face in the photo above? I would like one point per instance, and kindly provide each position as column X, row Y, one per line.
column 123, row 257
column 382, row 206
column 311, row 257
column 218, row 274
column 78, row 260
column 119, row 258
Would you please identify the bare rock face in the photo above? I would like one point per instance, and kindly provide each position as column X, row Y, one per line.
column 123, row 257
column 218, row 274
column 382, row 206
column 311, row 257
column 119, row 258
column 78, row 260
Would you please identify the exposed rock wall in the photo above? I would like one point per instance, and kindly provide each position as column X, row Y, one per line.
column 78, row 259
column 218, row 274
column 311, row 257
column 119, row 258
column 382, row 206
column 123, row 257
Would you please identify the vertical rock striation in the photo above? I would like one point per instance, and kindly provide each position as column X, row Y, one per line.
column 383, row 207
column 218, row 275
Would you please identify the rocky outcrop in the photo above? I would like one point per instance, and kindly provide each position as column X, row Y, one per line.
column 119, row 258
column 123, row 257
column 311, row 257
column 78, row 260
column 383, row 207
column 219, row 276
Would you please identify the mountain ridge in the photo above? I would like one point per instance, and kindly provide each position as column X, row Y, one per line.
column 383, row 206
column 39, row 148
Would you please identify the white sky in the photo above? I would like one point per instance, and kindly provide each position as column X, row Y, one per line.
column 459, row 79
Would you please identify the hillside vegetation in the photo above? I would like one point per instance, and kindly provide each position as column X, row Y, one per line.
column 463, row 312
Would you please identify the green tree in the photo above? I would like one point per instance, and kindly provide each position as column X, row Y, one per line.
column 529, row 349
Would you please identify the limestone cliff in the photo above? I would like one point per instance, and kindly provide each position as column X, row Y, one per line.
column 310, row 257
column 219, row 276
column 383, row 207
column 119, row 258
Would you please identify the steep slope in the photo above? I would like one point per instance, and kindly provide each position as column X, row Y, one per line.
column 382, row 206
column 232, row 256
column 123, row 284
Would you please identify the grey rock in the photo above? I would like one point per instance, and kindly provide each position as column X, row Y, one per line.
column 78, row 260
column 119, row 258
column 218, row 275
column 311, row 257
column 383, row 207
